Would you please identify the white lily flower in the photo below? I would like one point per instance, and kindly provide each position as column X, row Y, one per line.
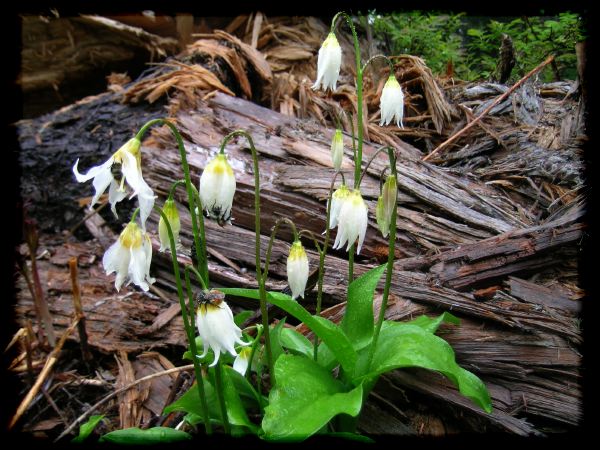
column 240, row 364
column 337, row 199
column 392, row 102
column 217, row 186
column 123, row 165
column 217, row 329
column 329, row 63
column 337, row 149
column 385, row 205
column 130, row 257
column 170, row 210
column 352, row 221
column 297, row 269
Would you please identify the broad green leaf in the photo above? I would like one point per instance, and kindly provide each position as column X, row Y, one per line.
column 358, row 319
column 432, row 324
column 137, row 436
column 405, row 345
column 328, row 332
column 276, row 348
column 241, row 317
column 305, row 398
column 86, row 429
column 190, row 403
column 236, row 412
column 244, row 388
column 295, row 341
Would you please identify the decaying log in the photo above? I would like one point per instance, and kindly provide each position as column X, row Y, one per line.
column 475, row 243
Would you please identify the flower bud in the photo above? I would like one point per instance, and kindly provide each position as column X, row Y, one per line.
column 329, row 63
column 170, row 210
column 385, row 205
column 217, row 186
column 337, row 149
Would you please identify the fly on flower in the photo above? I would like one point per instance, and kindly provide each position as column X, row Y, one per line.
column 215, row 324
column 392, row 102
column 123, row 166
column 217, row 186
column 130, row 258
column 329, row 63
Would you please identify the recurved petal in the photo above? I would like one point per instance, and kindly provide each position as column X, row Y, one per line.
column 92, row 172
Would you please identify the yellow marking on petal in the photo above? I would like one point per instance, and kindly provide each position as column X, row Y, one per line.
column 297, row 251
column 131, row 236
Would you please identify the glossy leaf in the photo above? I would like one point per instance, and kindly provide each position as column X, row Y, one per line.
column 295, row 341
column 305, row 398
column 405, row 345
column 358, row 319
column 328, row 332
column 137, row 436
column 86, row 429
column 432, row 324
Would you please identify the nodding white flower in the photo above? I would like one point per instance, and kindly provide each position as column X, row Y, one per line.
column 352, row 221
column 337, row 199
column 130, row 257
column 392, row 102
column 240, row 364
column 125, row 165
column 217, row 186
column 337, row 149
column 297, row 269
column 170, row 210
column 385, row 205
column 217, row 329
column 328, row 63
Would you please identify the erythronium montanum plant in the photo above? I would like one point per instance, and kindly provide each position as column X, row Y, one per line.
column 266, row 380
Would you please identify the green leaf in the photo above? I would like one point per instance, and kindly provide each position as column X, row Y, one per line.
column 431, row 324
column 305, row 398
column 328, row 332
column 244, row 388
column 136, row 436
column 405, row 345
column 190, row 403
column 296, row 342
column 358, row 319
column 86, row 429
column 236, row 412
column 241, row 317
column 276, row 348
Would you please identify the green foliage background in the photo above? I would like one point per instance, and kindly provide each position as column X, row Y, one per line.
column 472, row 43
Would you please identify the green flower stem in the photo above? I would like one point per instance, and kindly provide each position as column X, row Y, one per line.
column 261, row 282
column 174, row 186
column 351, row 264
column 199, row 242
column 379, row 150
column 134, row 215
column 272, row 238
column 389, row 62
column 359, row 94
column 322, row 253
column 191, row 334
column 390, row 264
column 255, row 344
column 220, row 389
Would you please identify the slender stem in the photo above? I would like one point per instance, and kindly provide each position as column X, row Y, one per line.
column 191, row 334
column 259, row 332
column 134, row 215
column 272, row 238
column 351, row 264
column 174, row 186
column 380, row 149
column 312, row 236
column 322, row 253
column 359, row 94
column 390, row 264
column 389, row 62
column 199, row 243
column 189, row 267
column 261, row 282
column 220, row 389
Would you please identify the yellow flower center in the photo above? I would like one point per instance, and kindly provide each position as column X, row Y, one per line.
column 131, row 236
column 220, row 165
column 297, row 251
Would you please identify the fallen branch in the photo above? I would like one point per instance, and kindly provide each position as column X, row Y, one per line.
column 489, row 108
